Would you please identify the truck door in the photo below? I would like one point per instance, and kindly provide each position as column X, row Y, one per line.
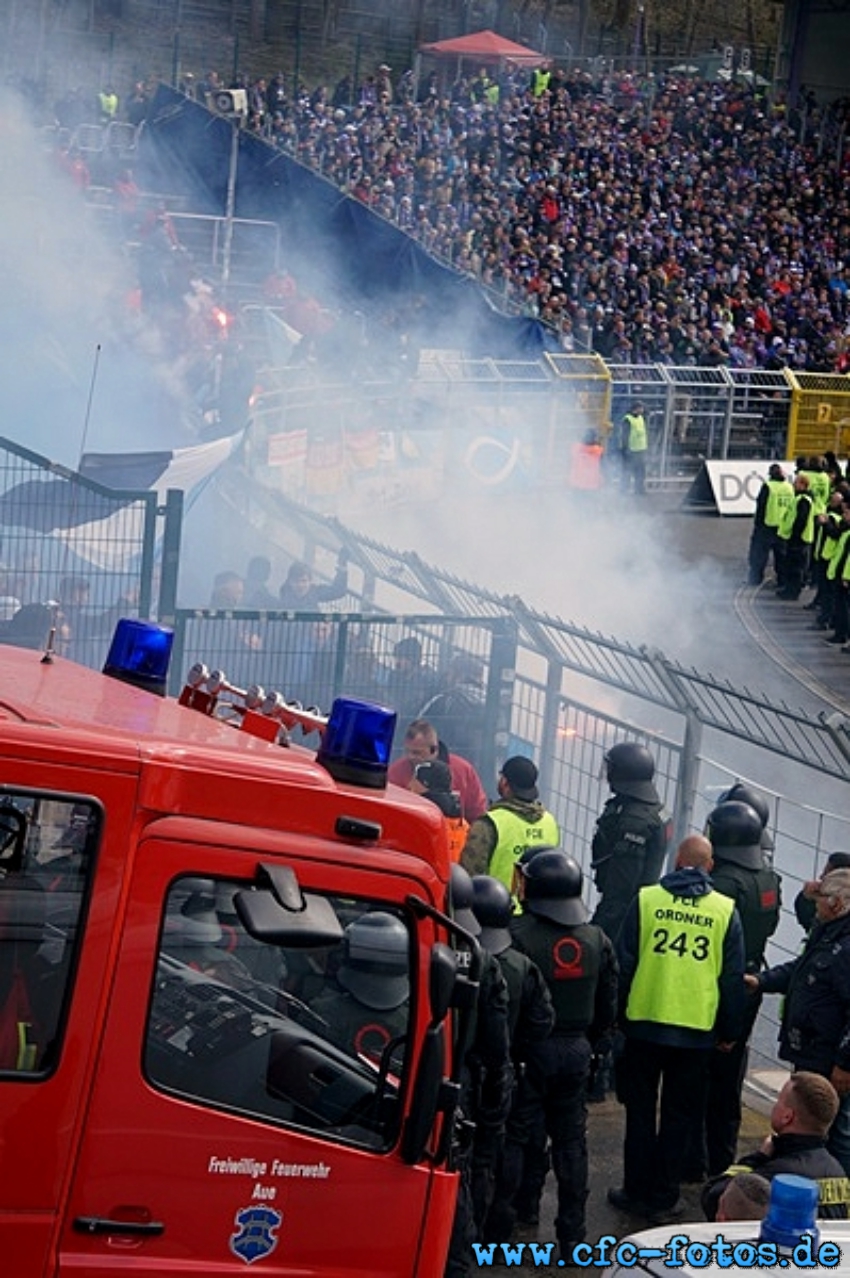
column 248, row 1099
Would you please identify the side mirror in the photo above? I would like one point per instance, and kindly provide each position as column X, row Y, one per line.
column 277, row 912
column 442, row 980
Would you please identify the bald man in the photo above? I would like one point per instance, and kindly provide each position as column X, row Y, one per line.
column 681, row 952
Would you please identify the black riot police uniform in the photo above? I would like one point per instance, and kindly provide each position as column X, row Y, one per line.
column 741, row 872
column 579, row 966
column 530, row 1020
column 486, row 1080
column 631, row 837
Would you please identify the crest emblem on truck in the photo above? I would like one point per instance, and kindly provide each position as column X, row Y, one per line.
column 256, row 1235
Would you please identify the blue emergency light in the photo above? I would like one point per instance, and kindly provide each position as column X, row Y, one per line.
column 139, row 654
column 792, row 1212
column 357, row 741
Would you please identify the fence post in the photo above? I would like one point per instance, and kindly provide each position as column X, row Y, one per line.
column 683, row 808
column 683, row 804
column 500, row 685
column 172, row 533
column 549, row 730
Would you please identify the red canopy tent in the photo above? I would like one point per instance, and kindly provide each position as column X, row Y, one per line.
column 487, row 49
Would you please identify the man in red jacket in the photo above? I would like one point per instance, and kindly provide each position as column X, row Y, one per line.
column 422, row 745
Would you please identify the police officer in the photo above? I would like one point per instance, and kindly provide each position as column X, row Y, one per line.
column 370, row 1011
column 745, row 793
column 815, row 1030
column 516, row 821
column 631, row 836
column 578, row 964
column 486, row 1078
column 681, row 952
column 741, row 872
column 530, row 1020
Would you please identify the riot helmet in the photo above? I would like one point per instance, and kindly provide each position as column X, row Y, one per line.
column 552, row 888
column 744, row 793
column 461, row 897
column 630, row 769
column 493, row 908
column 191, row 917
column 375, row 963
column 734, row 830
column 749, row 794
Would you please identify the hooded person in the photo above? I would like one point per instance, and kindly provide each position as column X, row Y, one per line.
column 516, row 821
column 433, row 780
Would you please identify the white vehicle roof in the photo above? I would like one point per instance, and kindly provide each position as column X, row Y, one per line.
column 653, row 1251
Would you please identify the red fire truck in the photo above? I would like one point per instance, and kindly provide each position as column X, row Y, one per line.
column 227, row 975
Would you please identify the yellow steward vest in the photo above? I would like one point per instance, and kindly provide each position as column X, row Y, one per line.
column 515, row 835
column 680, row 958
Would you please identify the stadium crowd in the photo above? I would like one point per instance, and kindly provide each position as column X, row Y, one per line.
column 664, row 219
column 671, row 220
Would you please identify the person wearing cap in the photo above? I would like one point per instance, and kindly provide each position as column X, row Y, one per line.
column 632, row 834
column 516, row 821
column 370, row 1008
column 423, row 745
column 530, row 1020
column 681, row 954
column 775, row 497
column 579, row 966
column 433, row 780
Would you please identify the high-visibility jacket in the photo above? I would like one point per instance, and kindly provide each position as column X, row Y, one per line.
column 637, row 441
column 457, row 829
column 680, row 958
column 516, row 833
column 839, row 557
column 780, row 498
column 789, row 518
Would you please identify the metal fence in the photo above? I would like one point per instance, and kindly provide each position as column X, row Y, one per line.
column 564, row 695
column 95, row 551
column 502, row 422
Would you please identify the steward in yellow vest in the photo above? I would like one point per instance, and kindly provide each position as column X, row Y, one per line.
column 681, row 952
column 776, row 496
column 518, row 820
column 796, row 533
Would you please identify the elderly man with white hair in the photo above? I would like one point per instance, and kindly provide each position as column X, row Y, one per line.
column 815, row 1030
